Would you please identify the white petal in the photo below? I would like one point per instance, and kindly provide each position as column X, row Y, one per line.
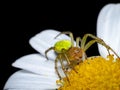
column 108, row 28
column 46, row 39
column 23, row 80
column 37, row 64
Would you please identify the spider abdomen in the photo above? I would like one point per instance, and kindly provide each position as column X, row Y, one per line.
column 62, row 45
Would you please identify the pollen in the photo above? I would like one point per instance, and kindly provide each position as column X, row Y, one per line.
column 94, row 73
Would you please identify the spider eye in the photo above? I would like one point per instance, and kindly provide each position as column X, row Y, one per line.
column 62, row 45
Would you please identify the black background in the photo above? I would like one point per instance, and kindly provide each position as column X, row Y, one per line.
column 22, row 20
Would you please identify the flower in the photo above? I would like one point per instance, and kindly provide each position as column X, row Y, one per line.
column 39, row 74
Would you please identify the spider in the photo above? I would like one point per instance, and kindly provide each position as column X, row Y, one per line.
column 73, row 54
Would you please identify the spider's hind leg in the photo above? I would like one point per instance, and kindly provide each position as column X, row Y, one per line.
column 64, row 68
column 70, row 34
column 51, row 48
column 56, row 67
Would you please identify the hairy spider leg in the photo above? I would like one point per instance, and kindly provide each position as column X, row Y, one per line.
column 63, row 67
column 78, row 40
column 51, row 48
column 59, row 57
column 56, row 67
column 70, row 34
column 56, row 61
column 96, row 39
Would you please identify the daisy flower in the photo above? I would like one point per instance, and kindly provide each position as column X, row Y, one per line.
column 95, row 73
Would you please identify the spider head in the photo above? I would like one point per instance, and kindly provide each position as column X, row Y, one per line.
column 62, row 46
column 75, row 53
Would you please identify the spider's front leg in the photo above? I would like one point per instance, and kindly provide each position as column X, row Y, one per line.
column 78, row 41
column 70, row 34
column 95, row 39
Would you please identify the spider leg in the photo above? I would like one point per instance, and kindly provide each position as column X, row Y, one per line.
column 70, row 65
column 63, row 68
column 89, row 44
column 84, row 56
column 66, row 58
column 56, row 67
column 78, row 40
column 51, row 48
column 70, row 34
column 98, row 40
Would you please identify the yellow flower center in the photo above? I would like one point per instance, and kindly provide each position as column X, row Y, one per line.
column 95, row 73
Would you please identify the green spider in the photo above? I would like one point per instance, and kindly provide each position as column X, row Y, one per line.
column 73, row 54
